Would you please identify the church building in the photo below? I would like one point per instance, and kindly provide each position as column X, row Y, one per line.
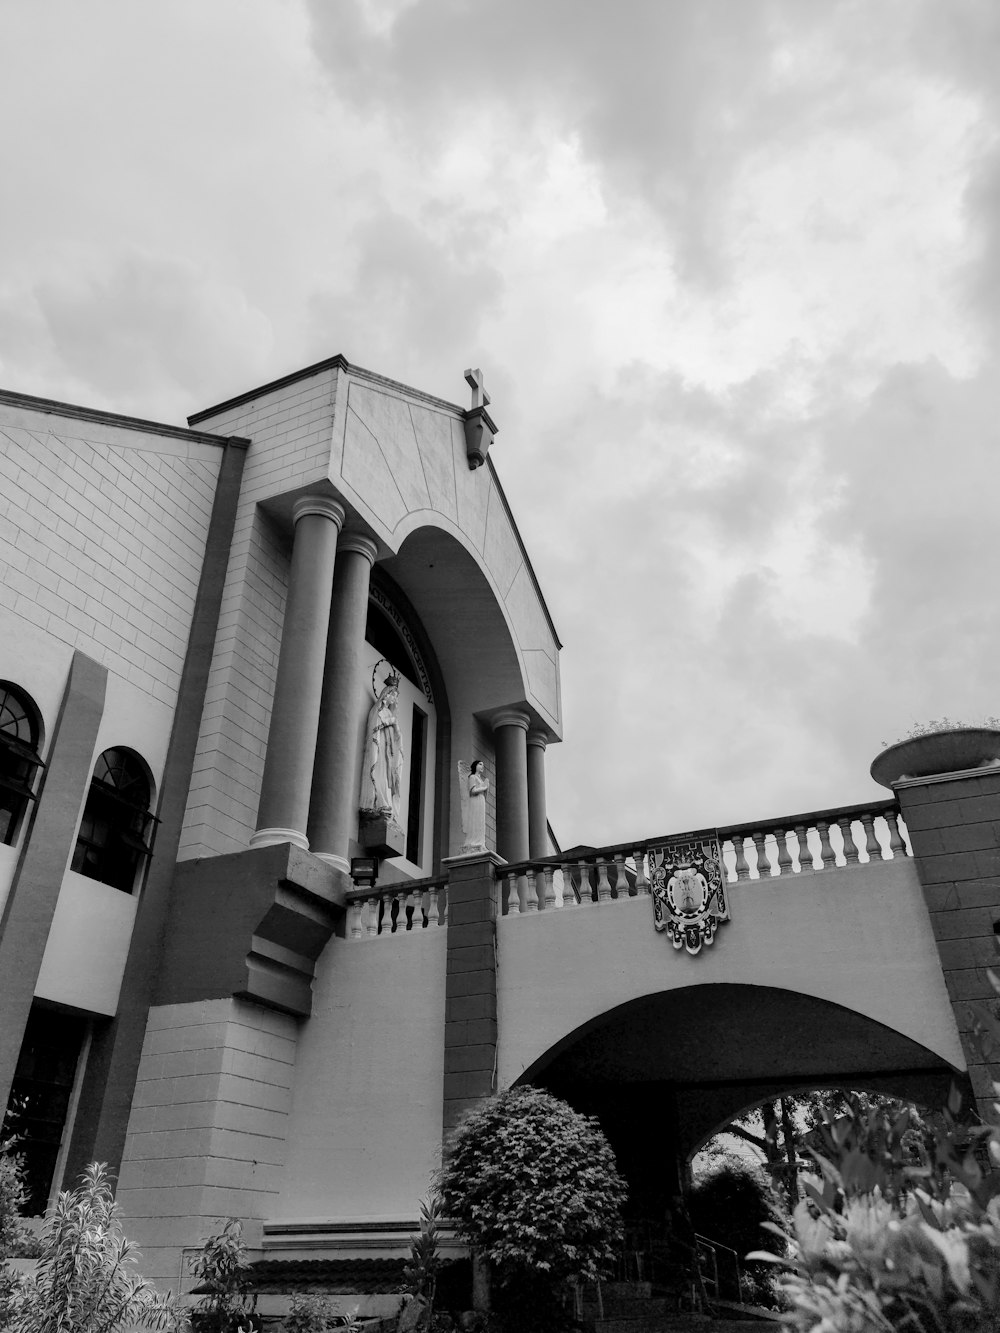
column 279, row 899
column 213, row 642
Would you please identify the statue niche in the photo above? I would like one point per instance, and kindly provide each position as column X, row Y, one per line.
column 380, row 830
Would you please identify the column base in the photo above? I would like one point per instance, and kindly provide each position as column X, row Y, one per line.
column 267, row 837
column 332, row 859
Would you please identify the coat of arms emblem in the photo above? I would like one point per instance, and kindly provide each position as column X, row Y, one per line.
column 688, row 880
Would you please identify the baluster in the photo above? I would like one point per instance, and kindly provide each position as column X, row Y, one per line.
column 512, row 901
column 742, row 864
column 763, row 863
column 373, row 904
column 603, row 886
column 827, row 856
column 621, row 879
column 531, row 892
column 586, row 892
column 872, row 845
column 641, row 882
column 804, row 850
column 851, row 853
column 355, row 931
column 443, row 906
column 389, row 927
column 896, row 844
column 784, row 855
column 433, row 906
column 549, row 899
column 418, row 910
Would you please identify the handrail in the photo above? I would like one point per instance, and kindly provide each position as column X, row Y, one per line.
column 590, row 854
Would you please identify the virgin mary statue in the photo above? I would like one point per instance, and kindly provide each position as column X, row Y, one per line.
column 383, row 762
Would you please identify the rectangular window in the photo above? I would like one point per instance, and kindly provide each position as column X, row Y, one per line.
column 415, row 805
column 40, row 1095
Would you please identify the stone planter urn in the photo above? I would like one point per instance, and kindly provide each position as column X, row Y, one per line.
column 951, row 751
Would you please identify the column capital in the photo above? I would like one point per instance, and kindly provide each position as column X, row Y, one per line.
column 359, row 544
column 323, row 505
column 537, row 737
column 510, row 717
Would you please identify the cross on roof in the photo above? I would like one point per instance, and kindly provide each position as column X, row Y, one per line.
column 474, row 379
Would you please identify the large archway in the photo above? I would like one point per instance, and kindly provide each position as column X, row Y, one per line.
column 664, row 1072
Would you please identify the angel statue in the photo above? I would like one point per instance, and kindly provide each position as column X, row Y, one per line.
column 473, row 786
column 383, row 761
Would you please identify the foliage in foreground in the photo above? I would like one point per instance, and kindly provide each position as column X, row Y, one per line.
column 898, row 1238
column 86, row 1280
column 223, row 1267
column 533, row 1185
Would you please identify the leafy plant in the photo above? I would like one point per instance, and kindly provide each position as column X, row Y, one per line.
column 421, row 1271
column 317, row 1314
column 12, row 1229
column 901, row 1232
column 942, row 724
column 86, row 1281
column 223, row 1267
column 533, row 1185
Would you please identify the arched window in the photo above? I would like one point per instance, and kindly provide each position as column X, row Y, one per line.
column 116, row 832
column 20, row 731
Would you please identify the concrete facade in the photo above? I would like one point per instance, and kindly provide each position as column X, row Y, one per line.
column 147, row 576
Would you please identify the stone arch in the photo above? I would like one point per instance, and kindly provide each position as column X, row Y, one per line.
column 462, row 610
column 702, row 1053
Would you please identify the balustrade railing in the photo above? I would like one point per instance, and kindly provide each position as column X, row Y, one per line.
column 395, row 909
column 822, row 840
column 817, row 841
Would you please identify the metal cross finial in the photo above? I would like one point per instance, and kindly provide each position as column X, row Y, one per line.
column 474, row 379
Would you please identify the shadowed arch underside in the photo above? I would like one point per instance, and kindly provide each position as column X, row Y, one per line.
column 697, row 1056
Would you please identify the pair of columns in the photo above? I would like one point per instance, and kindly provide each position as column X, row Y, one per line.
column 307, row 792
column 522, row 827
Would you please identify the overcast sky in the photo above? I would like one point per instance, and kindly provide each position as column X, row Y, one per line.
column 731, row 269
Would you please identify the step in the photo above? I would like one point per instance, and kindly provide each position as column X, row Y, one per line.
column 677, row 1323
column 630, row 1307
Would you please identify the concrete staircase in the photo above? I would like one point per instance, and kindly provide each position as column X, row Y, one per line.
column 631, row 1307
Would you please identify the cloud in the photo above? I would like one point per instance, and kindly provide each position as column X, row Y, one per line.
column 141, row 331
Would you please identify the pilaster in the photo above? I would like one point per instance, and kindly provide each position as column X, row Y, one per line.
column 470, row 1027
column 953, row 820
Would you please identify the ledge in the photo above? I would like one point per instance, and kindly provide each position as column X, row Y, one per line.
column 250, row 924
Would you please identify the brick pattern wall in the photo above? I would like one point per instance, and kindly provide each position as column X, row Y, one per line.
column 206, row 1137
column 290, row 433
column 954, row 828
column 102, row 534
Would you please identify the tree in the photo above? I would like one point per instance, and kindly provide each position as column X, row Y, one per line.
column 534, row 1187
column 790, row 1139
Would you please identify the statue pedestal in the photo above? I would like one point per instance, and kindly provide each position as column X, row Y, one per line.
column 381, row 835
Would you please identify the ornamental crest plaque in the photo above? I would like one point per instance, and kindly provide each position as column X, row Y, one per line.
column 689, row 889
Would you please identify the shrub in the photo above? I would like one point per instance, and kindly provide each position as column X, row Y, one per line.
column 12, row 1230
column 732, row 1207
column 888, row 1243
column 223, row 1267
column 86, row 1280
column 533, row 1186
column 317, row 1314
